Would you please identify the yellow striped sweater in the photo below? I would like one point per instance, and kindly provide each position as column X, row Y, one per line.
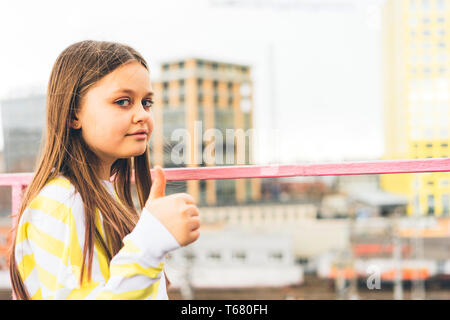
column 49, row 251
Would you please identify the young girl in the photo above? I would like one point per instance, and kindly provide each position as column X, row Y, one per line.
column 79, row 235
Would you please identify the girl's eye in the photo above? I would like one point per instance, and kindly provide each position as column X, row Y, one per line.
column 149, row 103
column 120, row 101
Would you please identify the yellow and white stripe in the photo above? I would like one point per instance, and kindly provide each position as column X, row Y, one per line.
column 50, row 240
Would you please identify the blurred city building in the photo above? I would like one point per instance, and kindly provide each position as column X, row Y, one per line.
column 227, row 257
column 311, row 189
column 310, row 236
column 373, row 248
column 416, row 55
column 206, row 98
column 23, row 121
column 377, row 203
column 365, row 182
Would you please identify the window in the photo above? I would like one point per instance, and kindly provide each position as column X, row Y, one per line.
column 239, row 256
column 430, row 200
column 445, row 204
column 181, row 65
column 214, row 256
column 245, row 89
column 200, row 64
column 416, row 203
column 165, row 66
column 202, row 186
column 189, row 255
column 214, row 66
column 276, row 256
column 427, row 44
column 442, row 57
column 426, row 58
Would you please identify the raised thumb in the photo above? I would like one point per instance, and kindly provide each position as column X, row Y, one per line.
column 158, row 188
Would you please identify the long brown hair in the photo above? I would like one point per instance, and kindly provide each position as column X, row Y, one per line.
column 76, row 69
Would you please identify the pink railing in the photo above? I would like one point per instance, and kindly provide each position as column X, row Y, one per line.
column 19, row 181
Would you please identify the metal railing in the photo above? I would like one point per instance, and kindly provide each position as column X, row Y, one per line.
column 19, row 181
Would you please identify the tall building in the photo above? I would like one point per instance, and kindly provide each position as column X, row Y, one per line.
column 416, row 59
column 23, row 120
column 205, row 100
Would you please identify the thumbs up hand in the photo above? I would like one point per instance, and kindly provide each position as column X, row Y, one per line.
column 177, row 212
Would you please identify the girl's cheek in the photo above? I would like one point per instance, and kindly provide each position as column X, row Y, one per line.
column 150, row 125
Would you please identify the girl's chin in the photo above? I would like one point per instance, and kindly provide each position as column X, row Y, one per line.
column 138, row 152
column 133, row 151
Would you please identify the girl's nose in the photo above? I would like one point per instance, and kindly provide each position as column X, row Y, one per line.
column 141, row 114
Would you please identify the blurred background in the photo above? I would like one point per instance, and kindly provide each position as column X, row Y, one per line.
column 315, row 81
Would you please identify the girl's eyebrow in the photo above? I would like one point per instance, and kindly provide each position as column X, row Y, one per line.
column 130, row 91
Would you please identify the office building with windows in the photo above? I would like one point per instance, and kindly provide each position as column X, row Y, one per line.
column 416, row 63
column 203, row 117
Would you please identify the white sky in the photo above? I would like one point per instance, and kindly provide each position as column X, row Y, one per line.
column 323, row 97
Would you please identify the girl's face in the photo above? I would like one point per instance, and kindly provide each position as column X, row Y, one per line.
column 118, row 105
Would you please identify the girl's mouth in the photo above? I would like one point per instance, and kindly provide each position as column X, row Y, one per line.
column 139, row 135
